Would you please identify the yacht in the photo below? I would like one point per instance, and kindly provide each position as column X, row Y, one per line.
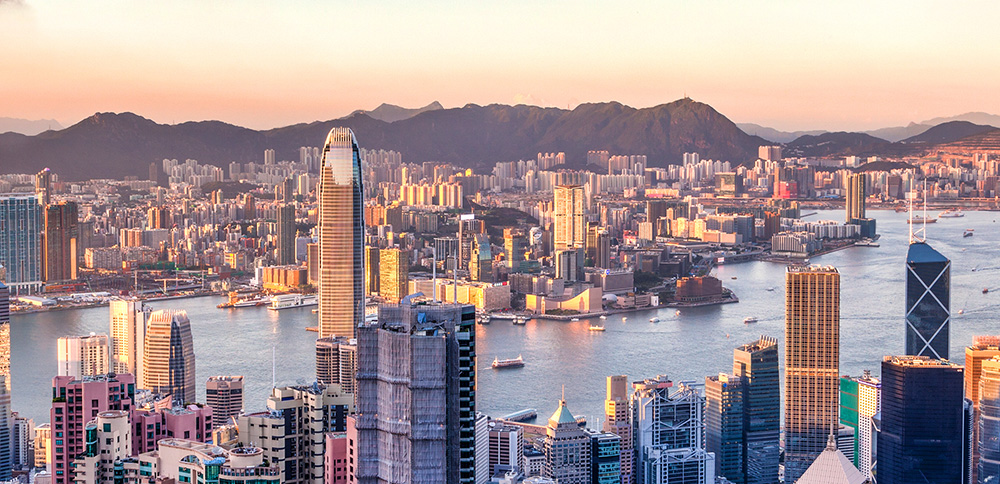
column 603, row 317
column 508, row 363
column 654, row 319
column 953, row 213
column 749, row 319
column 288, row 301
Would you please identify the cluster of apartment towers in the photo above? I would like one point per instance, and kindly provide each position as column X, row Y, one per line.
column 395, row 396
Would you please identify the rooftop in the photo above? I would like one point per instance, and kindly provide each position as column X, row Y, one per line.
column 921, row 252
column 816, row 269
column 922, row 361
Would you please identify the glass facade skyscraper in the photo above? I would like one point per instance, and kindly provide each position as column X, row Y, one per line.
column 168, row 355
column 20, row 241
column 724, row 425
column 988, row 466
column 756, row 363
column 922, row 435
column 928, row 301
column 341, row 237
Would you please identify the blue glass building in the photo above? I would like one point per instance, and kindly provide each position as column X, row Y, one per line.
column 20, row 241
column 928, row 301
column 605, row 458
column 757, row 364
column 923, row 422
column 724, row 425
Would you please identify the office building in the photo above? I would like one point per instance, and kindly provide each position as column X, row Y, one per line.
column 515, row 244
column 987, row 461
column 128, row 336
column 60, row 236
column 669, row 434
column 341, row 239
column 20, row 241
column 567, row 449
column 605, row 458
column 756, row 363
column 5, row 335
column 81, row 356
column 6, row 433
column 928, row 301
column 922, row 434
column 812, row 358
column 860, row 402
column 983, row 348
column 481, row 259
column 43, row 187
column 372, row 260
column 856, row 196
column 724, row 420
column 286, row 235
column 168, row 356
column 832, row 467
column 617, row 420
column 336, row 362
column 224, row 394
column 43, row 447
column 76, row 401
column 298, row 417
column 506, row 448
column 394, row 274
column 570, row 214
column 416, row 369
column 22, row 433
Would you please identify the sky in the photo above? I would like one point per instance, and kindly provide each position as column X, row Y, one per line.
column 791, row 65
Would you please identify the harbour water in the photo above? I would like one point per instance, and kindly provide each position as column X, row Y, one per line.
column 686, row 346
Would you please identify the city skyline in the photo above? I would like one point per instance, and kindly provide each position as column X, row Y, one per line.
column 849, row 71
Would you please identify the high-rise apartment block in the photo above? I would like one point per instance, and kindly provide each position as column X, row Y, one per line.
column 860, row 402
column 922, row 438
column 756, row 363
column 618, row 421
column 168, row 356
column 570, row 213
column 416, row 369
column 158, row 218
column 60, row 237
column 74, row 403
column 286, row 235
column 225, row 395
column 928, row 301
column 669, row 434
column 43, row 187
column 128, row 336
column 20, row 241
column 394, row 274
column 336, row 362
column 724, row 420
column 341, row 237
column 856, row 196
column 812, row 359
column 292, row 431
column 768, row 153
column 108, row 443
column 81, row 356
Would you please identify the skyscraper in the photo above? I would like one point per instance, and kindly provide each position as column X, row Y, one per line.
column 20, row 241
column 567, row 449
column 416, row 386
column 860, row 401
column 856, row 196
column 168, row 356
column 928, row 301
column 983, row 348
column 812, row 358
column 921, row 438
column 987, row 461
column 617, row 421
column 128, row 336
column 286, row 234
column 225, row 395
column 605, row 457
column 570, row 213
column 158, row 218
column 394, row 274
column 341, row 237
column 5, row 335
column 6, row 432
column 724, row 419
column 756, row 363
column 60, row 236
column 372, row 259
column 336, row 362
column 81, row 356
column 515, row 244
column 669, row 434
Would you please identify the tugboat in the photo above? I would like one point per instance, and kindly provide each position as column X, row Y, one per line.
column 508, row 363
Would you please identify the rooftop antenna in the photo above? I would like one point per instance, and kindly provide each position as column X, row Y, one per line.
column 917, row 235
column 563, row 394
column 274, row 368
column 434, row 274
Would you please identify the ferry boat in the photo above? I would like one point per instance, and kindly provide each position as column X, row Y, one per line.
column 749, row 319
column 594, row 327
column 288, row 301
column 520, row 321
column 916, row 219
column 508, row 363
column 866, row 243
column 603, row 317
column 246, row 303
column 654, row 319
column 953, row 213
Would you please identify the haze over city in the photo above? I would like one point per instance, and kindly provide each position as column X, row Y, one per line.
column 789, row 65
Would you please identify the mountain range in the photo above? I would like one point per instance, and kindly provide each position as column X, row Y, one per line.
column 27, row 126
column 112, row 145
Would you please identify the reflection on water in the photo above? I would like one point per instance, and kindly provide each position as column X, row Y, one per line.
column 688, row 346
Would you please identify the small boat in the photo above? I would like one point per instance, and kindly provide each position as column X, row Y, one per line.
column 733, row 278
column 519, row 321
column 770, row 289
column 575, row 319
column 624, row 318
column 677, row 313
column 968, row 233
column 961, row 311
column 594, row 327
column 508, row 363
column 921, row 219
column 749, row 319
column 654, row 320
column 603, row 317
column 953, row 213
column 866, row 243
column 986, row 290
column 315, row 311
column 484, row 319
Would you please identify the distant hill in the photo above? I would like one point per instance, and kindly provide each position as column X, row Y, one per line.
column 974, row 117
column 840, row 143
column 775, row 135
column 27, row 126
column 899, row 133
column 948, row 132
column 391, row 113
column 114, row 145
column 985, row 141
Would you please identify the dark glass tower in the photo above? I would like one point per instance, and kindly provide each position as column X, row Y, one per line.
column 756, row 363
column 724, row 421
column 928, row 301
column 922, row 422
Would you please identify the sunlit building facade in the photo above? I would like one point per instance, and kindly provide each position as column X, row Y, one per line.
column 168, row 356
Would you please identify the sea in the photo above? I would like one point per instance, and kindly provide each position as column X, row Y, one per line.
column 564, row 357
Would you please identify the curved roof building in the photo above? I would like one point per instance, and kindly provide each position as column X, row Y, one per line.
column 341, row 237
